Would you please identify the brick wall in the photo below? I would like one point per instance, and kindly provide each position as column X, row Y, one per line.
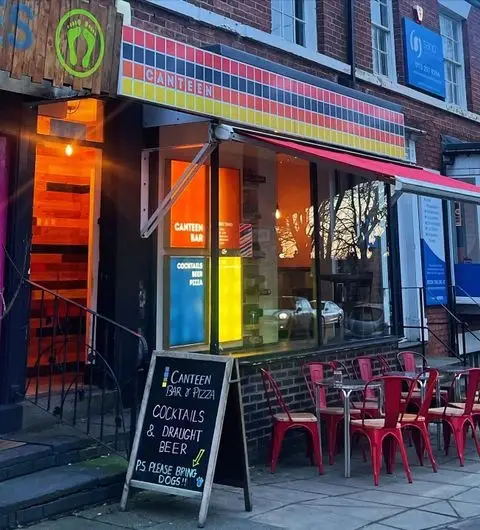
column 288, row 373
column 437, row 321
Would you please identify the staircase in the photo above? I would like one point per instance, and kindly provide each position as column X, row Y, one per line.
column 77, row 409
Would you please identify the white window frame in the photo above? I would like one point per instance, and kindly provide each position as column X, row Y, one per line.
column 391, row 63
column 410, row 150
column 309, row 21
column 462, row 102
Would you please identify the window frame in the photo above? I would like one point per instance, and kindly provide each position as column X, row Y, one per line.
column 391, row 61
column 309, row 24
column 447, row 15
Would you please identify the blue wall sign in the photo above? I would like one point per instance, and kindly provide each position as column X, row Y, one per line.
column 187, row 301
column 19, row 35
column 433, row 251
column 423, row 50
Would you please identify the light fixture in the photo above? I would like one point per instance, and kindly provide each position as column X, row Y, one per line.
column 69, row 150
column 277, row 213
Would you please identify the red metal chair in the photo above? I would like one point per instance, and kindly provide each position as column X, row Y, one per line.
column 285, row 420
column 416, row 423
column 457, row 420
column 408, row 362
column 384, row 364
column 386, row 430
column 314, row 373
column 370, row 403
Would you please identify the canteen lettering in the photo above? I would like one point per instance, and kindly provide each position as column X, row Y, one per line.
column 16, row 19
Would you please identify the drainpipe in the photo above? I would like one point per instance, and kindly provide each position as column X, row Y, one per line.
column 350, row 27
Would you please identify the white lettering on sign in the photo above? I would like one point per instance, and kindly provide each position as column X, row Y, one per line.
column 164, row 412
column 190, row 379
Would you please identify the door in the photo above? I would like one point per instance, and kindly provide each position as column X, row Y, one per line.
column 64, row 253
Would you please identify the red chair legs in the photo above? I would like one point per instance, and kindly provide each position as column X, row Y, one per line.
column 421, row 440
column 279, row 430
column 459, row 428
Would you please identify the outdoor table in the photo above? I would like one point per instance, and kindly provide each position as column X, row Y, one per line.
column 457, row 374
column 346, row 386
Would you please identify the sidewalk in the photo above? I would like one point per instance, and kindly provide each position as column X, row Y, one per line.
column 296, row 497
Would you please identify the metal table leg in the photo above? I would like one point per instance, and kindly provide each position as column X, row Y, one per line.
column 439, row 424
column 346, row 419
column 317, row 414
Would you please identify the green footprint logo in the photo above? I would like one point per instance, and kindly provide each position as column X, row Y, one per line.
column 74, row 25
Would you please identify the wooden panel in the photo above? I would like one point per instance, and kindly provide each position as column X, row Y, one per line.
column 30, row 48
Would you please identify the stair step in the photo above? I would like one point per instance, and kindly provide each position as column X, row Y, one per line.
column 60, row 490
column 52, row 447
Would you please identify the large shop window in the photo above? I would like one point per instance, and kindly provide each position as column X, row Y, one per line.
column 267, row 271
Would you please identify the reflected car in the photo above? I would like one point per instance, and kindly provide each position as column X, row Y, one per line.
column 365, row 320
column 295, row 315
column 332, row 314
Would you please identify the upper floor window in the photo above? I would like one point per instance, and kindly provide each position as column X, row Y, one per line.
column 292, row 22
column 383, row 45
column 451, row 31
column 410, row 150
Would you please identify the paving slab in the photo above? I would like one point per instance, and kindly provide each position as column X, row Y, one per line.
column 472, row 495
column 379, row 496
column 316, row 486
column 466, row 509
column 284, row 495
column 441, row 507
column 418, row 520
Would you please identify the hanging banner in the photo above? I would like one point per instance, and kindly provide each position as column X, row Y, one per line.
column 433, row 251
column 187, row 301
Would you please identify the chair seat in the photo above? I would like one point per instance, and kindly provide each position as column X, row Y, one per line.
column 338, row 411
column 476, row 406
column 371, row 424
column 369, row 405
column 449, row 411
column 408, row 418
column 414, row 394
column 299, row 417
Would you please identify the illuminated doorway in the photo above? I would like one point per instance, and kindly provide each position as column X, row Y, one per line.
column 64, row 250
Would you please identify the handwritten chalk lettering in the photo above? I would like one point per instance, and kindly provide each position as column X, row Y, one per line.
column 167, row 413
column 174, row 391
column 182, row 434
column 172, row 448
column 200, row 393
column 159, row 468
column 171, row 481
column 190, row 379
column 185, row 472
column 141, row 465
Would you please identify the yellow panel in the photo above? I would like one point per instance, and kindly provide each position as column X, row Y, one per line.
column 170, row 99
column 180, row 100
column 159, row 94
column 138, row 89
column 127, row 87
column 230, row 299
column 190, row 102
column 150, row 92
column 209, row 106
column 243, row 115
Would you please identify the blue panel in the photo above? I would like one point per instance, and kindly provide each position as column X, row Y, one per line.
column 423, row 50
column 187, row 301
column 467, row 279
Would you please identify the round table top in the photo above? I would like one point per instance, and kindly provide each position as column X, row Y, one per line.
column 408, row 375
column 348, row 384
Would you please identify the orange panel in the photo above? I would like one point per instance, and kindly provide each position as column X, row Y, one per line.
column 188, row 216
column 229, row 214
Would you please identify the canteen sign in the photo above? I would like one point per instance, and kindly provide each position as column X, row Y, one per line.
column 423, row 50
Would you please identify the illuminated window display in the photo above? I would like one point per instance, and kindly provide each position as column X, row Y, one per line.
column 266, row 270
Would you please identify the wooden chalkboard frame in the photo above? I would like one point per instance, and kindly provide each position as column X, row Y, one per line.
column 207, row 490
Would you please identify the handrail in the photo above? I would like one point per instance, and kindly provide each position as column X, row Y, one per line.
column 443, row 343
column 468, row 295
column 140, row 337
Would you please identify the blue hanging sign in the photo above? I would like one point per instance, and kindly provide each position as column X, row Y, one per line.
column 187, row 301
column 423, row 50
column 433, row 251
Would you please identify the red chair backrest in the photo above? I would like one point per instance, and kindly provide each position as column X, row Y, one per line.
column 314, row 372
column 408, row 360
column 392, row 390
column 365, row 367
column 273, row 394
column 473, row 381
column 384, row 364
column 429, row 391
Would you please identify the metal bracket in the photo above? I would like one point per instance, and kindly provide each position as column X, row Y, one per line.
column 149, row 224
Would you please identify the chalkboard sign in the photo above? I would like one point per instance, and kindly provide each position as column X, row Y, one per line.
column 180, row 425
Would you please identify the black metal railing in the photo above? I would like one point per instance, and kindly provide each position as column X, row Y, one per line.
column 460, row 327
column 84, row 368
